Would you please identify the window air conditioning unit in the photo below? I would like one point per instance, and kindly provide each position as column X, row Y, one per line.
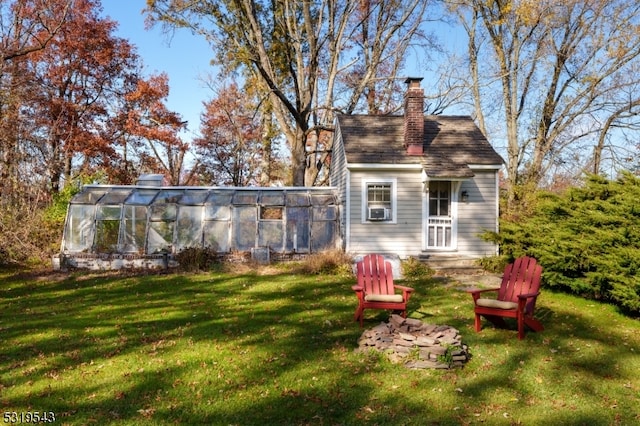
column 378, row 213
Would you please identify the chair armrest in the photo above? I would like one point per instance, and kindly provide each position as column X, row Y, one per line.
column 357, row 288
column 475, row 292
column 406, row 292
column 481, row 290
column 528, row 295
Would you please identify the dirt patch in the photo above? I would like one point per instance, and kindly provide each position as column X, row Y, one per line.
column 466, row 281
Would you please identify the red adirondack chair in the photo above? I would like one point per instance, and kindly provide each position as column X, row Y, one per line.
column 516, row 297
column 375, row 288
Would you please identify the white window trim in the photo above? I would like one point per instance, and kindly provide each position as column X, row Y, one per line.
column 394, row 197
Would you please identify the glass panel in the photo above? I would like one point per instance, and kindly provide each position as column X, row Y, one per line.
column 244, row 228
column 298, row 199
column 272, row 198
column 325, row 213
column 379, row 193
column 433, row 207
column 88, row 196
column 439, row 198
column 322, row 199
column 444, row 207
column 115, row 197
column 297, row 229
column 107, row 236
column 271, row 234
column 142, row 196
column 220, row 198
column 160, row 237
column 78, row 235
column 169, row 196
column 108, row 213
column 189, row 227
column 323, row 235
column 134, row 229
column 217, row 212
column 245, row 197
column 216, row 236
column 194, row 197
column 163, row 212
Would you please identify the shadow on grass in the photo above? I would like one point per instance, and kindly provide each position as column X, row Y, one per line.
column 253, row 349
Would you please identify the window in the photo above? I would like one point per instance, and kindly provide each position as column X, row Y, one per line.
column 439, row 198
column 379, row 201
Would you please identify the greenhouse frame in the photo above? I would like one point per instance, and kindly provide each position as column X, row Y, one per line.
column 146, row 226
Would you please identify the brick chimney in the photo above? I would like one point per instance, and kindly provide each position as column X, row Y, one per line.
column 414, row 117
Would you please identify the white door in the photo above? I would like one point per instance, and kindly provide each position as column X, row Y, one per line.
column 439, row 221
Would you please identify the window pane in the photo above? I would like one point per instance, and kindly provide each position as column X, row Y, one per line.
column 78, row 235
column 325, row 213
column 298, row 229
column 322, row 199
column 220, row 198
column 272, row 198
column 244, row 228
column 108, row 213
column 107, row 236
column 245, row 197
column 216, row 236
column 194, row 197
column 271, row 234
column 134, row 229
column 142, row 196
column 323, row 235
column 298, row 199
column 217, row 212
column 160, row 238
column 189, row 227
column 115, row 197
column 379, row 193
column 88, row 196
column 163, row 212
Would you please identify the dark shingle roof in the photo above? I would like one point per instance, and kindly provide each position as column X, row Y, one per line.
column 451, row 143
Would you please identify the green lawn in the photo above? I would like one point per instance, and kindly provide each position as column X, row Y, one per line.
column 278, row 348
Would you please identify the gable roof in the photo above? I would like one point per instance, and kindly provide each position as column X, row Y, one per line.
column 451, row 144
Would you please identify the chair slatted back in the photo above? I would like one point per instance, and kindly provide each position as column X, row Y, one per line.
column 521, row 277
column 375, row 275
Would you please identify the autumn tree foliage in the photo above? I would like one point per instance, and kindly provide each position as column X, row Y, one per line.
column 72, row 99
column 230, row 148
column 311, row 58
column 152, row 131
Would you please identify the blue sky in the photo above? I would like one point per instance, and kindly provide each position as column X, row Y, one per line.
column 184, row 57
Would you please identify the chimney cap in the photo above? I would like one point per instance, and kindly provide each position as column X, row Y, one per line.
column 413, row 81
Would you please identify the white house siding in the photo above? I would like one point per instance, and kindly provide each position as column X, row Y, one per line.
column 338, row 179
column 478, row 213
column 404, row 237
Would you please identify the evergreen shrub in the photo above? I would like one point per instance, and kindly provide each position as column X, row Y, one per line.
column 587, row 239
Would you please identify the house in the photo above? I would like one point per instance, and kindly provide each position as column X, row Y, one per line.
column 415, row 185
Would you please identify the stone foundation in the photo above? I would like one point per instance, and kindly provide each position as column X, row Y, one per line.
column 415, row 344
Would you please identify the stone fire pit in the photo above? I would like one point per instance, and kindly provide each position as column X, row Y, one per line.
column 416, row 344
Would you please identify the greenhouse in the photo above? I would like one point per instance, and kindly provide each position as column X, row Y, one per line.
column 112, row 227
